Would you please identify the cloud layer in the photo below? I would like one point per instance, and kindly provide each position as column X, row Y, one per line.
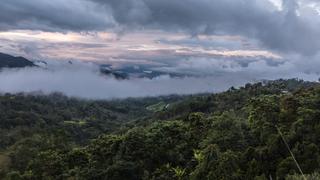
column 83, row 80
column 219, row 42
column 285, row 30
column 57, row 15
column 293, row 28
column 86, row 83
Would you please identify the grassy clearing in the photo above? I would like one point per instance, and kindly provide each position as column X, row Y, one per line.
column 78, row 123
column 157, row 107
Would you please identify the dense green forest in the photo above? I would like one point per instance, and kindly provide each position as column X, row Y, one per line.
column 243, row 133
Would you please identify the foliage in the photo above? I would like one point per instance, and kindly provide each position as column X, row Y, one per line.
column 238, row 134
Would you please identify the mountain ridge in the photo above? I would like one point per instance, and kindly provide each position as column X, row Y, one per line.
column 9, row 61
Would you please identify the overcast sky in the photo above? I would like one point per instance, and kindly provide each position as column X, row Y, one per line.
column 254, row 39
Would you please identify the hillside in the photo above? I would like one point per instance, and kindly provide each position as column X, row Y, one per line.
column 14, row 62
column 237, row 134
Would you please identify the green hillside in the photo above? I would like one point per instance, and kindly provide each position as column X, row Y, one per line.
column 238, row 134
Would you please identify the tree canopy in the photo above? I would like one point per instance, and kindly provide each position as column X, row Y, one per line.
column 238, row 134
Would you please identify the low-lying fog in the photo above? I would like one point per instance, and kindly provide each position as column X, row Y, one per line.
column 85, row 81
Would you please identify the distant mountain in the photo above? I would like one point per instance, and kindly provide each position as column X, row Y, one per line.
column 134, row 71
column 123, row 72
column 107, row 70
column 14, row 62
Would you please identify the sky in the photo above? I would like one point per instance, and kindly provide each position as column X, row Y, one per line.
column 221, row 42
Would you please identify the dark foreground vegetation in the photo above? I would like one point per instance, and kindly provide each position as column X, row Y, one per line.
column 238, row 134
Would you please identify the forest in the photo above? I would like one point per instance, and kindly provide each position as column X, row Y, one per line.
column 265, row 130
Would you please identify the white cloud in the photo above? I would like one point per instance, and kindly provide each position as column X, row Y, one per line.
column 277, row 3
column 83, row 80
column 89, row 84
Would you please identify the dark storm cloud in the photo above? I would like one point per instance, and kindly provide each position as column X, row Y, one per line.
column 279, row 30
column 52, row 15
column 282, row 30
